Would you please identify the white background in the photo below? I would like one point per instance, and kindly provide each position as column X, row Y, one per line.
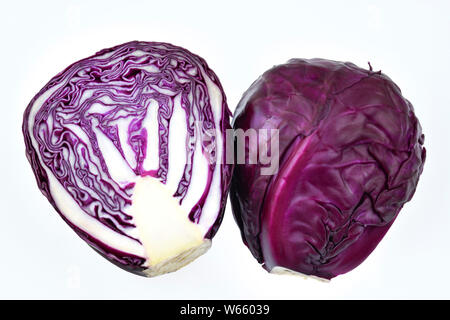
column 40, row 257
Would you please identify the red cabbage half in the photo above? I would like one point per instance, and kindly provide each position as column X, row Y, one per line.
column 350, row 157
column 121, row 144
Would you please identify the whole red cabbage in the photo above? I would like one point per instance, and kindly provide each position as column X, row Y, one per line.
column 350, row 157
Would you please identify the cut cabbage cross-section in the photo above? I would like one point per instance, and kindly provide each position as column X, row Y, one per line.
column 121, row 143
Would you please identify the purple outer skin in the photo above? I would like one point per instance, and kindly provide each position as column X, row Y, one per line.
column 97, row 76
column 350, row 157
